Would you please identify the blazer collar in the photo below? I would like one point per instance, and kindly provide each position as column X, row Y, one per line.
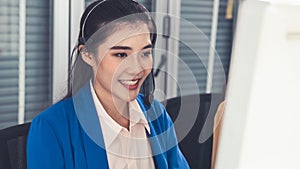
column 93, row 138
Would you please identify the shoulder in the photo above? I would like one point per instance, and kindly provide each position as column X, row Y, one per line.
column 156, row 113
column 156, row 107
column 47, row 136
column 56, row 116
column 57, row 123
column 57, row 111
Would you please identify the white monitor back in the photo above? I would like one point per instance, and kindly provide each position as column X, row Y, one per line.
column 261, row 128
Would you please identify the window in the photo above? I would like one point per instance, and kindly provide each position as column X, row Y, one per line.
column 194, row 49
column 27, row 76
column 25, row 59
column 146, row 3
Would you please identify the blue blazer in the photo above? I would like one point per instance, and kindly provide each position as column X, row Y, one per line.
column 68, row 136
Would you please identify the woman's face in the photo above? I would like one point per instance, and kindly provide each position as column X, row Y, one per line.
column 123, row 61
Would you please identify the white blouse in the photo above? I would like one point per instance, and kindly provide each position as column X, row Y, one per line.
column 125, row 149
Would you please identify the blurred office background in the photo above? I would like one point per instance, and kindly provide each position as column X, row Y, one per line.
column 37, row 37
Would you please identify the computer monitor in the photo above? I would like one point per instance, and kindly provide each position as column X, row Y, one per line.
column 261, row 127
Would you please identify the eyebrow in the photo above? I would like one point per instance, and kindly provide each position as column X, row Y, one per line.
column 129, row 48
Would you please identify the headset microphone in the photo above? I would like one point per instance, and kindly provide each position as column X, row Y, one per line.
column 148, row 98
column 149, row 93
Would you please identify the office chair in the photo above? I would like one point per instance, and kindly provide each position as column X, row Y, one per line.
column 198, row 153
column 13, row 147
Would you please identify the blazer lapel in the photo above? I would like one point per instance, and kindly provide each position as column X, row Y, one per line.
column 91, row 130
column 95, row 156
column 159, row 157
column 155, row 137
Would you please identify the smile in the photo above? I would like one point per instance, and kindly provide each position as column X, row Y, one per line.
column 130, row 84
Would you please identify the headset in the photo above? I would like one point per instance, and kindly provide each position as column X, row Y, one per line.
column 82, row 39
column 148, row 93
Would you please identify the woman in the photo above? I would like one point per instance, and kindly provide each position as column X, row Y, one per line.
column 104, row 122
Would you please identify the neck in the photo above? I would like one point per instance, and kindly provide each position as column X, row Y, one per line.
column 116, row 108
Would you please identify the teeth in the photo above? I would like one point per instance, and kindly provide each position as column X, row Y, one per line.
column 129, row 82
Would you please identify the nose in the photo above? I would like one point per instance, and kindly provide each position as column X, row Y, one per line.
column 134, row 65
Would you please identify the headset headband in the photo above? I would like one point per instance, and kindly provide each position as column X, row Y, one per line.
column 82, row 38
column 84, row 22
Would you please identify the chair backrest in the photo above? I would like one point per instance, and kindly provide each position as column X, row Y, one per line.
column 13, row 139
column 13, row 147
column 198, row 154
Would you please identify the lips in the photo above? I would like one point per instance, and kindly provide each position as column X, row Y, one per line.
column 130, row 84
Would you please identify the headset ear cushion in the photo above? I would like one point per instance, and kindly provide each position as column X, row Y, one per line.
column 81, row 41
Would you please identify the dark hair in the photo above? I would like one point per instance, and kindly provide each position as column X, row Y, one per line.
column 96, row 16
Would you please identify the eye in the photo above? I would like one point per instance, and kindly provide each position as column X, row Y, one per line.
column 121, row 55
column 146, row 53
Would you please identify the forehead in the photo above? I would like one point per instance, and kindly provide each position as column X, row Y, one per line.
column 127, row 34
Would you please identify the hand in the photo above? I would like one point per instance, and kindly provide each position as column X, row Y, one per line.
column 218, row 121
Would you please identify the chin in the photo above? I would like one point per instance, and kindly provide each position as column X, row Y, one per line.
column 133, row 96
column 126, row 97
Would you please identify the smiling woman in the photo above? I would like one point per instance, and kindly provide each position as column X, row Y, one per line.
column 119, row 70
column 104, row 121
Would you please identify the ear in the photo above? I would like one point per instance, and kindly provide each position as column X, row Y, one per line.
column 87, row 57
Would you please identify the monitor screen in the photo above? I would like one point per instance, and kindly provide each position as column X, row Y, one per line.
column 261, row 127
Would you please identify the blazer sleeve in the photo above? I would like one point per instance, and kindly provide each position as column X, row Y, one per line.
column 175, row 158
column 43, row 148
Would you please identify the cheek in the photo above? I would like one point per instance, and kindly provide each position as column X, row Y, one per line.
column 146, row 63
column 106, row 71
column 148, row 71
column 149, row 66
